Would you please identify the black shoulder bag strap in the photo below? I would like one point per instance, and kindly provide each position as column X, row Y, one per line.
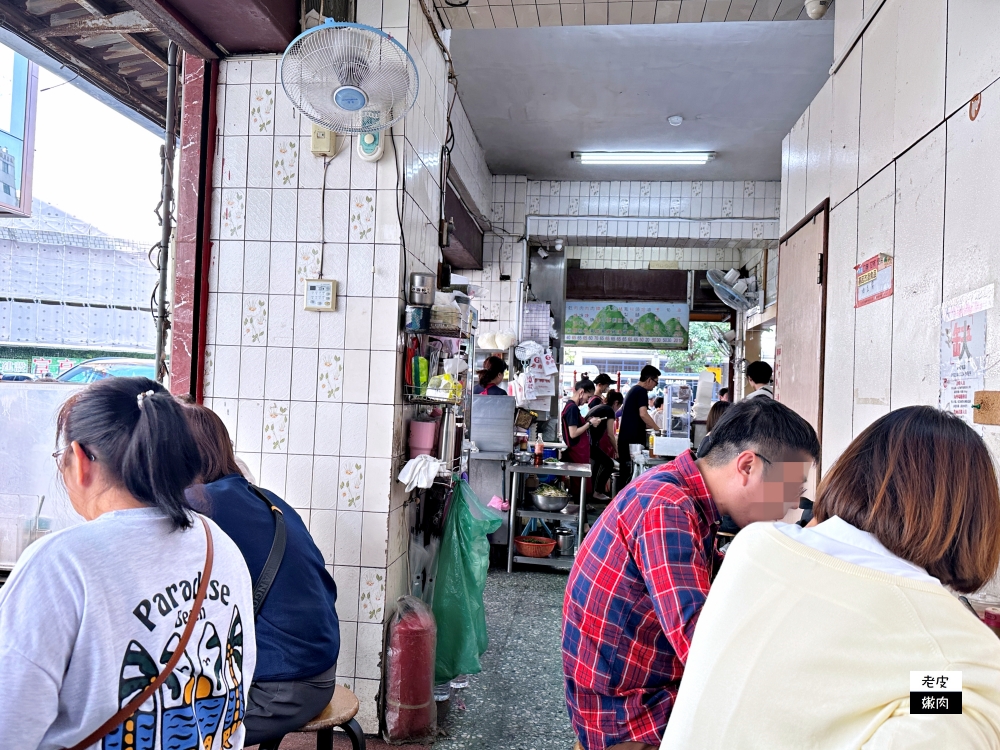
column 263, row 584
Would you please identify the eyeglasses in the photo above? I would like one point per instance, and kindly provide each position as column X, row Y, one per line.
column 57, row 455
column 765, row 460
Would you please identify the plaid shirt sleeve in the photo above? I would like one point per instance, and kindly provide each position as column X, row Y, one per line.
column 676, row 570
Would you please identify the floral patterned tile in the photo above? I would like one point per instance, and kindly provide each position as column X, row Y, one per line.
column 372, row 595
column 331, row 376
column 208, row 376
column 254, row 320
column 286, row 163
column 351, row 488
column 276, row 427
column 307, row 261
column 233, row 213
column 262, row 110
column 362, row 217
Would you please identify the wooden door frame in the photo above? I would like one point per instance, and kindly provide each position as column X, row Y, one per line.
column 822, row 208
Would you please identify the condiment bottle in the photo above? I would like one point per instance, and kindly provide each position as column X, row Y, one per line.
column 539, row 451
column 991, row 616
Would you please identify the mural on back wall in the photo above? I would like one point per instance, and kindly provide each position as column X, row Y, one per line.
column 643, row 325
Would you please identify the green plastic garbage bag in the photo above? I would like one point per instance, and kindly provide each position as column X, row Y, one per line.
column 461, row 579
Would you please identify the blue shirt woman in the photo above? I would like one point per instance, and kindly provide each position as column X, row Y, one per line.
column 297, row 630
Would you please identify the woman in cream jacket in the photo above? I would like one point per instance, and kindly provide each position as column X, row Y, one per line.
column 809, row 636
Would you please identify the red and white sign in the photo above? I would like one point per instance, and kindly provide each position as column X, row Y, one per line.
column 874, row 280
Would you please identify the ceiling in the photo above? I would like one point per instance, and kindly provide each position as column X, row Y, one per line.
column 120, row 46
column 504, row 14
column 534, row 96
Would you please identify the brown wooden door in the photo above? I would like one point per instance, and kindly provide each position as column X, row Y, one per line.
column 800, row 325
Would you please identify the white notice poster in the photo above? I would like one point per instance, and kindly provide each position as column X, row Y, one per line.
column 963, row 359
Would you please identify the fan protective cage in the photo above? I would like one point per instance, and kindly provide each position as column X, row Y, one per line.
column 349, row 78
column 729, row 296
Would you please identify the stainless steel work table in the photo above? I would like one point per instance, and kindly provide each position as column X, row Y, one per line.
column 517, row 472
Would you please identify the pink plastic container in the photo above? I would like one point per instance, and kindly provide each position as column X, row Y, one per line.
column 422, row 438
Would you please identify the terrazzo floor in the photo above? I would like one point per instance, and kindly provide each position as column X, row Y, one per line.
column 517, row 701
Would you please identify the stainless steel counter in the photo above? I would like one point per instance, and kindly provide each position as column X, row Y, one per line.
column 517, row 472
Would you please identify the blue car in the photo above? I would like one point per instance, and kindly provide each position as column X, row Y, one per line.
column 109, row 367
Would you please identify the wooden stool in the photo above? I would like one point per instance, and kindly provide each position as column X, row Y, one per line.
column 340, row 712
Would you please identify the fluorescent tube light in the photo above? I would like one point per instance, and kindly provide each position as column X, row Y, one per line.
column 644, row 157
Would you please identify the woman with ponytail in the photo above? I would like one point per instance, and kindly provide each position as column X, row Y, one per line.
column 117, row 629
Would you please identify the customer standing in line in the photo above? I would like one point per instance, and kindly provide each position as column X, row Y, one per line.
column 601, row 385
column 759, row 374
column 298, row 633
column 92, row 614
column 604, row 444
column 635, row 420
column 641, row 576
column 810, row 634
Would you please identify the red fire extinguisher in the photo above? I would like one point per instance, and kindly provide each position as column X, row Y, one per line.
column 410, row 711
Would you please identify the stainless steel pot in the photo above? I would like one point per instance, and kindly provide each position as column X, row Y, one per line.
column 549, row 503
column 565, row 540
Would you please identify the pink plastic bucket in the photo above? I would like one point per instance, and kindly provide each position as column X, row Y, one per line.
column 422, row 438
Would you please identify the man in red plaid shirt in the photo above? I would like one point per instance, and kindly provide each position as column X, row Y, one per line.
column 642, row 574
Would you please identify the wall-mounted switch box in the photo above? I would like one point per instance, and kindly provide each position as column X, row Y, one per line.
column 323, row 142
column 321, row 295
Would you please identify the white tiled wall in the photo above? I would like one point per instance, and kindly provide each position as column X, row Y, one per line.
column 641, row 258
column 650, row 214
column 502, row 14
column 503, row 255
column 313, row 400
column 620, row 225
column 910, row 173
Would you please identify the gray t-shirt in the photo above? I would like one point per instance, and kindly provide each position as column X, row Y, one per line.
column 92, row 613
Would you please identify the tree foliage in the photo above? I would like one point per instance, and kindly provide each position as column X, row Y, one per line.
column 702, row 350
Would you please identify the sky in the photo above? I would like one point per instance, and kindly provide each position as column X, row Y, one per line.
column 94, row 163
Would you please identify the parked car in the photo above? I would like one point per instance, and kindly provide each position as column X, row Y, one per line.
column 16, row 377
column 108, row 367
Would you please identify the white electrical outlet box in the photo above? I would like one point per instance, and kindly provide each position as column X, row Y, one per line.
column 323, row 142
column 321, row 295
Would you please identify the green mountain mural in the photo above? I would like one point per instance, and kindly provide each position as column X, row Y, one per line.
column 674, row 328
column 650, row 325
column 575, row 326
column 611, row 322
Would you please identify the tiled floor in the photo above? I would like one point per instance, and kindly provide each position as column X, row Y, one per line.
column 516, row 702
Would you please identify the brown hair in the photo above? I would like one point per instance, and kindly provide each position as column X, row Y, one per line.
column 715, row 414
column 922, row 482
column 212, row 438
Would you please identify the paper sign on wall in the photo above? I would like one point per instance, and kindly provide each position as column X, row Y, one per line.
column 963, row 351
column 874, row 278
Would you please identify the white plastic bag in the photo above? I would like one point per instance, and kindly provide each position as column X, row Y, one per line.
column 549, row 365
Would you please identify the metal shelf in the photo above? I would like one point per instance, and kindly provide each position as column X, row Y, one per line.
column 445, row 333
column 551, row 562
column 547, row 516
